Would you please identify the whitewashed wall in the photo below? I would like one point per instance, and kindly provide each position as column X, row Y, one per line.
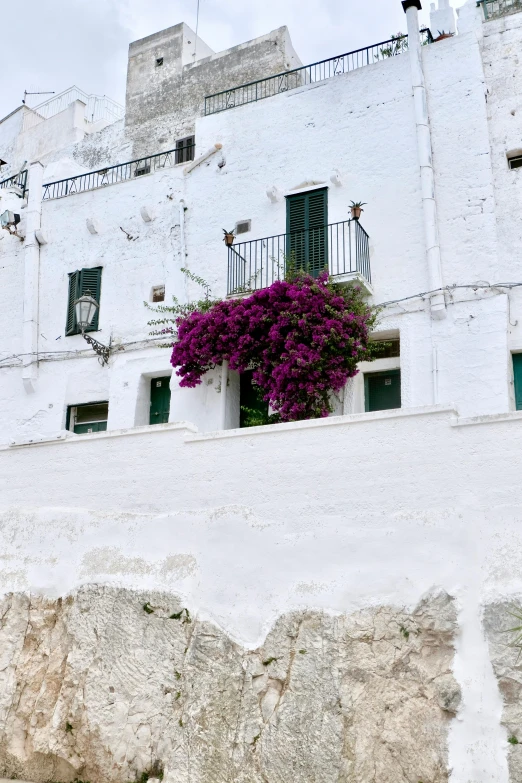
column 383, row 508
column 360, row 125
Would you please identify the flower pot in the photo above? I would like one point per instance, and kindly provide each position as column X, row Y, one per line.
column 442, row 37
column 356, row 212
column 229, row 239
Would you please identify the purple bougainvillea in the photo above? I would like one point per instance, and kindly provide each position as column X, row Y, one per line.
column 303, row 338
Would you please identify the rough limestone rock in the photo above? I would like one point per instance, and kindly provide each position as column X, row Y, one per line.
column 507, row 665
column 109, row 683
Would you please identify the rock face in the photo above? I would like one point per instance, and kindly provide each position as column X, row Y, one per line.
column 507, row 665
column 109, row 683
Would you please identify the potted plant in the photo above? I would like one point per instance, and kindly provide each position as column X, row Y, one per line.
column 442, row 35
column 229, row 237
column 356, row 208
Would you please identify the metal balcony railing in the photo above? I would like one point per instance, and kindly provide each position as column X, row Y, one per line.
column 16, row 181
column 123, row 171
column 341, row 248
column 308, row 74
column 493, row 9
column 97, row 107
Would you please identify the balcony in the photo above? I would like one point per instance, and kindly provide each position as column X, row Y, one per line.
column 310, row 74
column 341, row 248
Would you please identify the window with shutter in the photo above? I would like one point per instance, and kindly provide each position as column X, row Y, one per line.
column 306, row 227
column 517, row 374
column 81, row 282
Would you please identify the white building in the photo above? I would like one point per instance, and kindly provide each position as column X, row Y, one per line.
column 298, row 551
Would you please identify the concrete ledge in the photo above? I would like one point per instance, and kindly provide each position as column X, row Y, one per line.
column 493, row 418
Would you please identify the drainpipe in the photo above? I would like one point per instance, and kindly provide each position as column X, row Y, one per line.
column 31, row 278
column 437, row 302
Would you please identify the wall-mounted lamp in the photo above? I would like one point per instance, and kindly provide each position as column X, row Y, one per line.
column 9, row 220
column 86, row 308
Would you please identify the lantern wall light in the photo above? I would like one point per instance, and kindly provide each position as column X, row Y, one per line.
column 86, row 308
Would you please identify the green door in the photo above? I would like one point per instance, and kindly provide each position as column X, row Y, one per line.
column 253, row 409
column 382, row 390
column 160, row 400
column 517, row 373
column 307, row 233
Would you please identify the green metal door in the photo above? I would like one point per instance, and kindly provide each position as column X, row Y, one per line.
column 517, row 373
column 160, row 400
column 382, row 390
column 307, row 233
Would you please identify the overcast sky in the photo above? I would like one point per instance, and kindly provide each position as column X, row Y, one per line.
column 53, row 44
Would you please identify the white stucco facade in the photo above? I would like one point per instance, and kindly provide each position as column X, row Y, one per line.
column 359, row 510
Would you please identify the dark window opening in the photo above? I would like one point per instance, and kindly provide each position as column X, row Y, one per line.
column 83, row 282
column 243, row 227
column 84, row 419
column 159, row 61
column 515, row 162
column 142, row 167
column 185, row 149
column 159, row 400
column 382, row 390
column 158, row 293
column 253, row 409
column 388, row 349
column 517, row 376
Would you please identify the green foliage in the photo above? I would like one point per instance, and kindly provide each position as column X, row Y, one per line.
column 302, row 652
column 404, row 632
column 254, row 418
column 269, row 661
column 178, row 615
column 177, row 675
column 156, row 771
column 513, row 740
column 165, row 326
column 148, row 608
column 398, row 45
column 68, row 728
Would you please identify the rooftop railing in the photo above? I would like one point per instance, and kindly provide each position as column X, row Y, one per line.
column 111, row 175
column 17, row 181
column 341, row 248
column 97, row 107
column 309, row 74
column 493, row 9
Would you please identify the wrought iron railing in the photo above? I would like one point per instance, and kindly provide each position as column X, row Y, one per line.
column 120, row 173
column 17, row 181
column 493, row 9
column 341, row 248
column 308, row 74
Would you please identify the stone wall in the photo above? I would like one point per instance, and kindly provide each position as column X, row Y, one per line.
column 107, row 684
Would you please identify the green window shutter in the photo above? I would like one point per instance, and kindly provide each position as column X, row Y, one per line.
column 306, row 226
column 517, row 374
column 70, row 325
column 90, row 284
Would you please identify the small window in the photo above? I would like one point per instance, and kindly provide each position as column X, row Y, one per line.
column 185, row 149
column 142, row 167
column 388, row 349
column 158, row 293
column 517, row 376
column 243, row 227
column 515, row 162
column 82, row 282
column 84, row 419
column 159, row 62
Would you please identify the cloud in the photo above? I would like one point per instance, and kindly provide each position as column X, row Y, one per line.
column 53, row 44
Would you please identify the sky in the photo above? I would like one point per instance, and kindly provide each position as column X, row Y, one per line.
column 55, row 44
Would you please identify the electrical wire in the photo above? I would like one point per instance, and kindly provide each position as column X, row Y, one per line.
column 48, row 356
